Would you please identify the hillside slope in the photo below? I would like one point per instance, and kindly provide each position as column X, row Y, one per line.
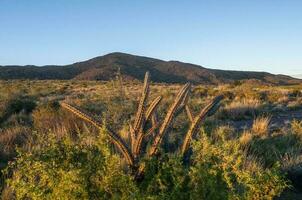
column 297, row 76
column 134, row 67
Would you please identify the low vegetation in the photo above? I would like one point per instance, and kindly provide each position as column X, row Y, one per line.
column 127, row 140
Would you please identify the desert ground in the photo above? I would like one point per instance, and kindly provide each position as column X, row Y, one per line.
column 249, row 147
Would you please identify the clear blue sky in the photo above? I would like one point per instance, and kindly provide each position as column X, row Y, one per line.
column 261, row 35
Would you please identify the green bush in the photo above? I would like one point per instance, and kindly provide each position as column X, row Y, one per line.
column 68, row 170
column 223, row 171
column 15, row 105
column 86, row 169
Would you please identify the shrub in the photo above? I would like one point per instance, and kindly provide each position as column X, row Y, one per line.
column 223, row 171
column 16, row 104
column 273, row 149
column 67, row 170
column 46, row 117
column 86, row 169
column 25, row 103
column 166, row 178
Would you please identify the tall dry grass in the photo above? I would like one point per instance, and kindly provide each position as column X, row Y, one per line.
column 241, row 109
column 261, row 126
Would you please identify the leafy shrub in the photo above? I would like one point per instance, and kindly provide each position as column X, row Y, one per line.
column 66, row 170
column 226, row 172
column 166, row 178
column 16, row 104
column 87, row 170
column 272, row 149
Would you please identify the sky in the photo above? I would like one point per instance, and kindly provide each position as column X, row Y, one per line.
column 253, row 35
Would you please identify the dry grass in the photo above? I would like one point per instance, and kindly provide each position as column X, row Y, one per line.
column 240, row 109
column 224, row 133
column 296, row 127
column 261, row 126
column 245, row 138
column 11, row 138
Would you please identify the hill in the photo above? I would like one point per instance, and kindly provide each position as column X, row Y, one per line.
column 298, row 76
column 134, row 67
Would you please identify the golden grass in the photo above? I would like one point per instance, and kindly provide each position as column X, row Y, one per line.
column 245, row 138
column 261, row 126
column 242, row 108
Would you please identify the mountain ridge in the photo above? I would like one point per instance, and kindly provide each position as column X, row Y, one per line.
column 133, row 67
column 299, row 76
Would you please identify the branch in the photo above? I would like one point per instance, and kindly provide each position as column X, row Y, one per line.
column 132, row 135
column 139, row 140
column 154, row 119
column 152, row 107
column 197, row 121
column 113, row 136
column 151, row 130
column 185, row 98
column 189, row 113
column 167, row 121
column 82, row 114
column 141, row 134
column 122, row 146
column 139, row 119
column 183, row 103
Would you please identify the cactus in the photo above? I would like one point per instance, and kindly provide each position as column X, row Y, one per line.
column 167, row 121
column 144, row 114
column 113, row 136
column 196, row 121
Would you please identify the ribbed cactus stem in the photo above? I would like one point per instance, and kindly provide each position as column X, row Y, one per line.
column 167, row 121
column 139, row 119
column 152, row 107
column 197, row 122
column 132, row 136
column 113, row 136
column 83, row 115
column 139, row 122
column 141, row 134
column 189, row 113
column 122, row 146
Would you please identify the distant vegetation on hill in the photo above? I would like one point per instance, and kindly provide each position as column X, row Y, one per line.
column 133, row 67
